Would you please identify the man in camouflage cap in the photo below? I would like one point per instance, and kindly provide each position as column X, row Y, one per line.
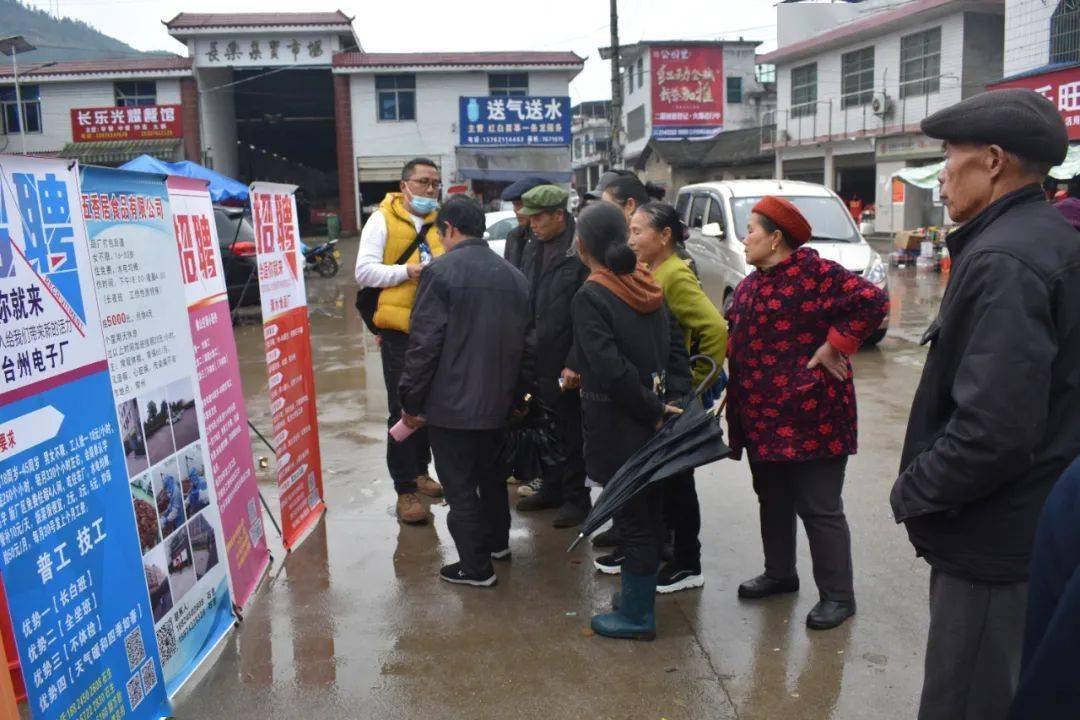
column 554, row 276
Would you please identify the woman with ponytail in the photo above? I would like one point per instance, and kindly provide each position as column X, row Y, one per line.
column 631, row 358
column 655, row 232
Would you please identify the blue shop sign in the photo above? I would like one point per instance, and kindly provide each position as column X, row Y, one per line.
column 514, row 121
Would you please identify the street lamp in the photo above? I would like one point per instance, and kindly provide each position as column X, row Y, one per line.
column 12, row 46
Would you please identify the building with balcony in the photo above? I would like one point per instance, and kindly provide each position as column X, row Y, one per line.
column 854, row 80
column 591, row 137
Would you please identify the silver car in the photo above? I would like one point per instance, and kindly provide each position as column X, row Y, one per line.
column 717, row 213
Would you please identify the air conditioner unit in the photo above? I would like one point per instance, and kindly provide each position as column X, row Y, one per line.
column 881, row 105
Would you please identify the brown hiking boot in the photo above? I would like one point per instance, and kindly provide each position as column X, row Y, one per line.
column 427, row 486
column 411, row 511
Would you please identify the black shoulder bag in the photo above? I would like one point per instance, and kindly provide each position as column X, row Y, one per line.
column 367, row 299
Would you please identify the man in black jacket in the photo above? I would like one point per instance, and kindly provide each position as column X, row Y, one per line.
column 554, row 276
column 518, row 238
column 996, row 418
column 467, row 366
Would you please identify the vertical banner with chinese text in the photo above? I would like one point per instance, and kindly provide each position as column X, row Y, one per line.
column 287, row 334
column 76, row 592
column 227, row 435
column 687, row 91
column 160, row 409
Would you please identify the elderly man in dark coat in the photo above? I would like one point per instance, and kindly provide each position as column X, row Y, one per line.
column 996, row 418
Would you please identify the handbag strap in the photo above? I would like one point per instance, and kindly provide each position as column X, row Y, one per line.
column 420, row 235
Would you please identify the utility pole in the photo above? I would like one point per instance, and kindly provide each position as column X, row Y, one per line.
column 615, row 156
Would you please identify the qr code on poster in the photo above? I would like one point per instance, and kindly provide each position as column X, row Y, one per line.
column 133, row 644
column 256, row 530
column 166, row 640
column 149, row 676
column 252, row 512
column 134, row 691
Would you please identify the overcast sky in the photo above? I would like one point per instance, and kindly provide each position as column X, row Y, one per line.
column 578, row 25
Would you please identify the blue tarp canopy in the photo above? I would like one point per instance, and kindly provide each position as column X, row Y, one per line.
column 222, row 189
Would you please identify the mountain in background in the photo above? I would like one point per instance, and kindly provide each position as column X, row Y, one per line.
column 60, row 39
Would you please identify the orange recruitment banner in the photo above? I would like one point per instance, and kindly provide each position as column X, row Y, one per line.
column 287, row 334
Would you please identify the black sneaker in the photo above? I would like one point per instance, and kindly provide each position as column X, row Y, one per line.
column 502, row 555
column 673, row 578
column 610, row 564
column 454, row 574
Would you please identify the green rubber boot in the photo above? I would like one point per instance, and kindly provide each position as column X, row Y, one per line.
column 635, row 618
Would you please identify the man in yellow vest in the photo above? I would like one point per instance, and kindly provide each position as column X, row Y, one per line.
column 387, row 235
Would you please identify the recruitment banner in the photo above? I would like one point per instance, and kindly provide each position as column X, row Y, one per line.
column 160, row 409
column 69, row 551
column 687, row 91
column 287, row 334
column 227, row 435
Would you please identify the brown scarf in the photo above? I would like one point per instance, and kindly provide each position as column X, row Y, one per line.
column 638, row 290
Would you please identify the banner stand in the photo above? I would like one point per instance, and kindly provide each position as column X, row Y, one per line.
column 266, row 505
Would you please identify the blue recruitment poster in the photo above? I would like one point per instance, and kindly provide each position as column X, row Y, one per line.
column 160, row 410
column 68, row 543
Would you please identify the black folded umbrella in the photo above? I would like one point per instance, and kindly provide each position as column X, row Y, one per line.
column 532, row 443
column 684, row 441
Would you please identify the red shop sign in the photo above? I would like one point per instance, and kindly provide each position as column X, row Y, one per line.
column 1061, row 87
column 143, row 122
column 687, row 91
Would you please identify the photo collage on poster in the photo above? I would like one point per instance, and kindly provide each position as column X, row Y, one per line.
column 168, row 491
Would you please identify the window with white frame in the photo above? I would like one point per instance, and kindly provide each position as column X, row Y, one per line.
column 920, row 63
column 857, row 77
column 508, row 84
column 10, row 118
column 1065, row 32
column 804, row 90
column 135, row 93
column 640, row 72
column 396, row 97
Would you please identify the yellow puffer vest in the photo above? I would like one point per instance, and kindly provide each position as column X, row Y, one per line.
column 395, row 303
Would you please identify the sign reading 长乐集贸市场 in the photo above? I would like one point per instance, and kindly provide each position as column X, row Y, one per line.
column 159, row 404
column 514, row 121
column 227, row 436
column 287, row 335
column 68, row 541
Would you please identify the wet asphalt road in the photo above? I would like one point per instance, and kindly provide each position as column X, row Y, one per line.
column 355, row 624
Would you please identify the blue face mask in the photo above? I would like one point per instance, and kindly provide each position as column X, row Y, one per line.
column 424, row 205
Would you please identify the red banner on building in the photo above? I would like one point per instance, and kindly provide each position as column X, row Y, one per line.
column 143, row 122
column 287, row 335
column 687, row 91
column 1061, row 87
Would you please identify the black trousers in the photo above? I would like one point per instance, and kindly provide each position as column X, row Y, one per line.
column 810, row 490
column 641, row 526
column 566, row 480
column 682, row 515
column 407, row 460
column 973, row 649
column 479, row 517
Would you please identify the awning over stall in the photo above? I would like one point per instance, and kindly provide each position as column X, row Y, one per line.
column 925, row 176
column 114, row 152
column 512, row 164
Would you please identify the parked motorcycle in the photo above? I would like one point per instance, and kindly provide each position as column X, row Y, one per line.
column 324, row 259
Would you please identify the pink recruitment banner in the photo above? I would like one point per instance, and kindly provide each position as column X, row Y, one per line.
column 231, row 457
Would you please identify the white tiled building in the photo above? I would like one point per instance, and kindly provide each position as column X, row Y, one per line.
column 855, row 80
column 591, row 140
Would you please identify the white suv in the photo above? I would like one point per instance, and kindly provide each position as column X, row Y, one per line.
column 717, row 212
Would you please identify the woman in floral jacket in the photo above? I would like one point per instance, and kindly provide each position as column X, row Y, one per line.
column 791, row 400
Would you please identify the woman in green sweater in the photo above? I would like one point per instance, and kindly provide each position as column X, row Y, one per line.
column 656, row 231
